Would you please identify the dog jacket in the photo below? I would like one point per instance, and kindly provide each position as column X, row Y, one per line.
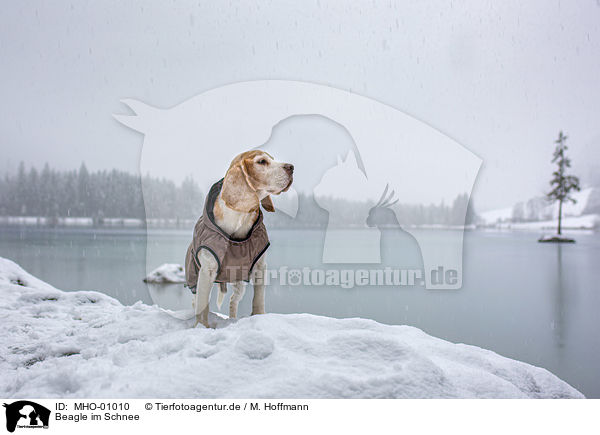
column 235, row 257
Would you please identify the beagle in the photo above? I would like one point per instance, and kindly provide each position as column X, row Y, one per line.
column 230, row 239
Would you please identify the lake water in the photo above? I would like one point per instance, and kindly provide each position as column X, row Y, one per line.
column 538, row 303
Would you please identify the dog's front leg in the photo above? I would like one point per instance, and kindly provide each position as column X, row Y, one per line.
column 239, row 288
column 258, row 281
column 206, row 278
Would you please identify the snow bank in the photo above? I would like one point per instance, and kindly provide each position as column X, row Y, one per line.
column 122, row 222
column 493, row 217
column 167, row 273
column 42, row 221
column 86, row 344
column 538, row 212
column 585, row 222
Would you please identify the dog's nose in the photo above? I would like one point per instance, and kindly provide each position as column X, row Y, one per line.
column 289, row 168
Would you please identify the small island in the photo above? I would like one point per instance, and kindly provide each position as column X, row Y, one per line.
column 555, row 238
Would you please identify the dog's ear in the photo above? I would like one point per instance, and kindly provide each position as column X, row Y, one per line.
column 246, row 167
column 237, row 189
column 267, row 203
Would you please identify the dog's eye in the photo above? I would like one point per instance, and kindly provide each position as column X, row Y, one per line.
column 262, row 162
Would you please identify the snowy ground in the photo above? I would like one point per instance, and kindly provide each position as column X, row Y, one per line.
column 86, row 344
column 585, row 222
column 493, row 217
column 578, row 215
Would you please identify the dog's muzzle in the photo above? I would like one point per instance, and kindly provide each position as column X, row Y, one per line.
column 289, row 169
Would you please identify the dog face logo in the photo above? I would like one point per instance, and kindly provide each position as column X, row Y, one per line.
column 26, row 414
column 422, row 167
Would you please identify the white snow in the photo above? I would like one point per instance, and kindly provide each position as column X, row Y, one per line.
column 166, row 273
column 539, row 211
column 585, row 222
column 23, row 220
column 122, row 222
column 495, row 216
column 86, row 344
column 39, row 220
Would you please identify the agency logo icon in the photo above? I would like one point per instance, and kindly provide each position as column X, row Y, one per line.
column 25, row 414
column 395, row 181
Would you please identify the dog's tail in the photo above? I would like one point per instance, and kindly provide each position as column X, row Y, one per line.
column 221, row 295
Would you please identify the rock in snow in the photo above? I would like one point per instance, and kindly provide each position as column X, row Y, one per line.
column 167, row 273
column 86, row 344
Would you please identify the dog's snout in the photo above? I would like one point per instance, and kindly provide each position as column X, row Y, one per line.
column 289, row 168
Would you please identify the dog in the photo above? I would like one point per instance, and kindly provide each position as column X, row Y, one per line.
column 230, row 239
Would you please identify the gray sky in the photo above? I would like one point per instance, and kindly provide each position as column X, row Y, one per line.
column 500, row 78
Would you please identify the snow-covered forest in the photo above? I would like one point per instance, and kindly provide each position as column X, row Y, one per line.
column 104, row 194
column 80, row 193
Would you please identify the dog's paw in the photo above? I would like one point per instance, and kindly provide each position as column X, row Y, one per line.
column 201, row 320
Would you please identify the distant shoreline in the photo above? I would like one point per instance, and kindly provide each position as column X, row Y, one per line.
column 188, row 224
column 88, row 222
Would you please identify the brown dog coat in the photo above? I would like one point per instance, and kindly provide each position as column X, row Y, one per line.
column 235, row 257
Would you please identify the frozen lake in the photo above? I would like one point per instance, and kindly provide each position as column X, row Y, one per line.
column 537, row 303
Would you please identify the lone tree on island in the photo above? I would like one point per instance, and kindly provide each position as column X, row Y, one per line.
column 562, row 183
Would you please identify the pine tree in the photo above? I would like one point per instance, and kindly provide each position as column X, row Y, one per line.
column 562, row 183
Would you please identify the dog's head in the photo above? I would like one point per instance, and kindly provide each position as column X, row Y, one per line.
column 253, row 176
